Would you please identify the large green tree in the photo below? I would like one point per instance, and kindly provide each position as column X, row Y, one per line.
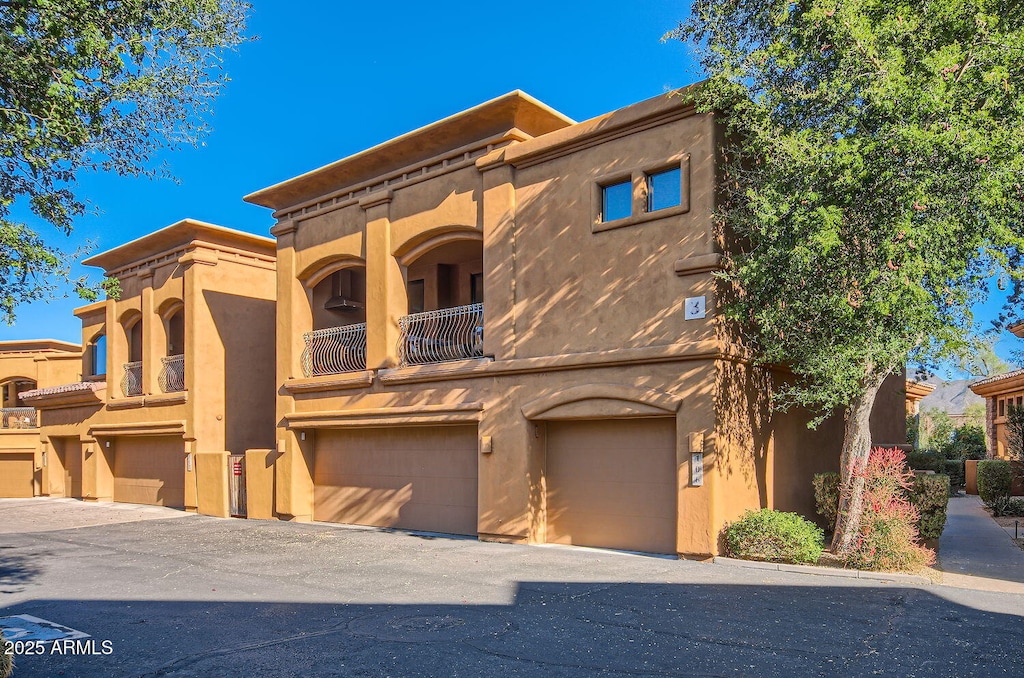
column 873, row 171
column 97, row 85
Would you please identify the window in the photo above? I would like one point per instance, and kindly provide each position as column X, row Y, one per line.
column 98, row 356
column 664, row 189
column 1002, row 407
column 617, row 201
column 476, row 288
column 417, row 298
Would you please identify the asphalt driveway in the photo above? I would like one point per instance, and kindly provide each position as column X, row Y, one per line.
column 161, row 593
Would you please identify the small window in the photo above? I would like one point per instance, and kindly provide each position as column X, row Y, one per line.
column 1002, row 407
column 417, row 297
column 476, row 288
column 617, row 201
column 98, row 356
column 664, row 189
column 1020, row 401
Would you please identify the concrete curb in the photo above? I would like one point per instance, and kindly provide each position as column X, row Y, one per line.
column 823, row 571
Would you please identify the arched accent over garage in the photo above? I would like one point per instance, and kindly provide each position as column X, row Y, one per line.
column 598, row 401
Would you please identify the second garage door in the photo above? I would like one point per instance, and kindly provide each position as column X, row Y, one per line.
column 150, row 471
column 16, row 471
column 410, row 478
column 612, row 483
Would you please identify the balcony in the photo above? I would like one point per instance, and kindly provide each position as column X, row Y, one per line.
column 18, row 417
column 172, row 374
column 441, row 336
column 131, row 382
column 334, row 350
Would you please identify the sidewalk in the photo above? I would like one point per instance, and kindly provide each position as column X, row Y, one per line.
column 975, row 552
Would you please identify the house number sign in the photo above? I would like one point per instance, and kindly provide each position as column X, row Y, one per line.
column 697, row 469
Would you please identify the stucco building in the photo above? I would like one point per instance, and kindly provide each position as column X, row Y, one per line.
column 506, row 324
column 176, row 373
column 24, row 366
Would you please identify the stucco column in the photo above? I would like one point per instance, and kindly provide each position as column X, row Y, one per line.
column 499, row 207
column 117, row 351
column 386, row 295
column 294, row 316
column 151, row 350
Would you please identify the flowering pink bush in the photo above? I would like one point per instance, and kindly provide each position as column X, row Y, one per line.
column 888, row 537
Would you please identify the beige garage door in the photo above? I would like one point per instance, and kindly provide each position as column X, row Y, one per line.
column 612, row 483
column 150, row 471
column 410, row 478
column 70, row 451
column 16, row 471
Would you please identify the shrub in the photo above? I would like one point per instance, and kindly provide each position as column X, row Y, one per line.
column 6, row 660
column 968, row 442
column 995, row 479
column 929, row 495
column 774, row 536
column 826, row 497
column 888, row 537
column 926, row 461
column 954, row 468
column 1008, row 506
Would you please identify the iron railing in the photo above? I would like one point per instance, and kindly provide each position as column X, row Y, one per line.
column 18, row 417
column 131, row 382
column 172, row 374
column 334, row 350
column 442, row 335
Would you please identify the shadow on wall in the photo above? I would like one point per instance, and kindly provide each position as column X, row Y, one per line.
column 550, row 628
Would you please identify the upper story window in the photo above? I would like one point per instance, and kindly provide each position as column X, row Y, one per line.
column 664, row 189
column 617, row 200
column 97, row 358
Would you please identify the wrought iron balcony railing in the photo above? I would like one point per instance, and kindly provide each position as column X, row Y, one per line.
column 131, row 382
column 442, row 335
column 18, row 417
column 172, row 374
column 334, row 350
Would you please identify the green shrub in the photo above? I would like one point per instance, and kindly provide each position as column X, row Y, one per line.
column 926, row 461
column 6, row 660
column 774, row 536
column 929, row 495
column 995, row 479
column 968, row 442
column 826, row 497
column 1008, row 506
column 957, row 475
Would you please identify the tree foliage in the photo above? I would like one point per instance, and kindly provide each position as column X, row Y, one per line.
column 94, row 86
column 873, row 170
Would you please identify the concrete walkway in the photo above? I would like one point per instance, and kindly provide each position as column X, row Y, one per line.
column 975, row 552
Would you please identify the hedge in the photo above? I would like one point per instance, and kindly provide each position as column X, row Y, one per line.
column 954, row 468
column 774, row 536
column 926, row 461
column 995, row 479
column 826, row 497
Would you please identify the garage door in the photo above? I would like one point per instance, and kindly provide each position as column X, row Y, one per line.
column 612, row 484
column 70, row 451
column 150, row 471
column 410, row 478
column 16, row 471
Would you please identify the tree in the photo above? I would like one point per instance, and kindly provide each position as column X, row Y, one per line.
column 98, row 86
column 873, row 158
column 980, row 358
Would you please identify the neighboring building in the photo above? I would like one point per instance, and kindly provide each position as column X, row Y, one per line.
column 915, row 392
column 177, row 369
column 1000, row 393
column 24, row 366
column 505, row 324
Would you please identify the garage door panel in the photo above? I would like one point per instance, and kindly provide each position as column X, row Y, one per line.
column 72, row 459
column 411, row 478
column 150, row 471
column 16, row 475
column 612, row 484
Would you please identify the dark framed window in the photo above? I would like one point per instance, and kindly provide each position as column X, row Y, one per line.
column 98, row 356
column 417, row 297
column 476, row 288
column 617, row 201
column 664, row 189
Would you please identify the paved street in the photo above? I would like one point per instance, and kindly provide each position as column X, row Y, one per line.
column 185, row 595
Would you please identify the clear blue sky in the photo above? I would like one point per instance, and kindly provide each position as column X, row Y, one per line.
column 326, row 79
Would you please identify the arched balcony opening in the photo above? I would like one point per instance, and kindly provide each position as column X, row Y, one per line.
column 445, row 287
column 337, row 343
column 14, row 413
column 172, row 368
column 131, row 380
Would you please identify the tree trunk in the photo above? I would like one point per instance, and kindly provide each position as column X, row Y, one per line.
column 856, row 448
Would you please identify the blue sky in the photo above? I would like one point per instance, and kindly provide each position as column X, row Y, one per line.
column 327, row 79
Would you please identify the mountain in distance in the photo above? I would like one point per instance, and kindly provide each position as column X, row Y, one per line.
column 952, row 397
